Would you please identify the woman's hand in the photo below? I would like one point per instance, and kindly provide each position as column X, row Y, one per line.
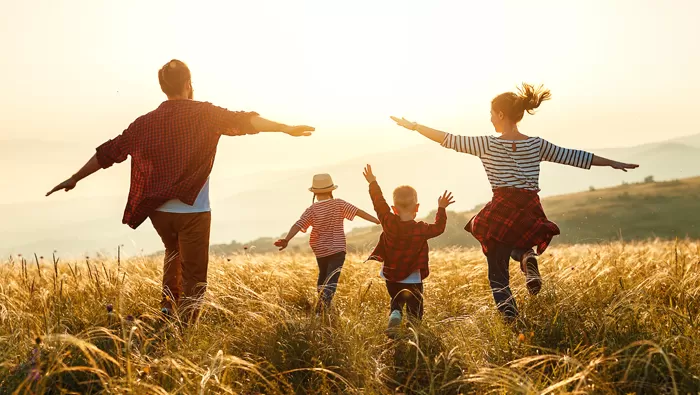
column 600, row 161
column 405, row 123
column 623, row 166
column 433, row 134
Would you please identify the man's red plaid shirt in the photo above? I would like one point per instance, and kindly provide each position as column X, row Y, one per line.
column 403, row 245
column 172, row 152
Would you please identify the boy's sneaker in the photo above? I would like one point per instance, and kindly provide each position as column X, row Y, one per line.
column 533, row 280
column 394, row 323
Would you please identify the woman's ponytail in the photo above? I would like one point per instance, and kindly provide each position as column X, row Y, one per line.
column 514, row 105
column 531, row 97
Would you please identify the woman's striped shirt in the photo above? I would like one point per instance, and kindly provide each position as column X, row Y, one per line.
column 516, row 163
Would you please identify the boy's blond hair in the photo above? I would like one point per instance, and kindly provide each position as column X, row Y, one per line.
column 405, row 197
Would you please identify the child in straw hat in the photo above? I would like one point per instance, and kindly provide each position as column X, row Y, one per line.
column 326, row 216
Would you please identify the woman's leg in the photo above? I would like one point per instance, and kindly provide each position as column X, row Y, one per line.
column 498, row 259
column 528, row 264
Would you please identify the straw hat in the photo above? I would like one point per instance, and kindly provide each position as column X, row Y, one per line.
column 322, row 183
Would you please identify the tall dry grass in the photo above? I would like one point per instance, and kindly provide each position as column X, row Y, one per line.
column 611, row 318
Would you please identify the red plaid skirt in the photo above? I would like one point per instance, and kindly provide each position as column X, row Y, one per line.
column 513, row 217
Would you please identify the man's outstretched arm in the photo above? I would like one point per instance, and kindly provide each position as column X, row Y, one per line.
column 90, row 167
column 261, row 124
column 240, row 123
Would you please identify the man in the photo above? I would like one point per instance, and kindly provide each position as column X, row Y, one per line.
column 172, row 151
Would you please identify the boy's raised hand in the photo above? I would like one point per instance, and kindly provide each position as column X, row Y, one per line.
column 369, row 176
column 445, row 200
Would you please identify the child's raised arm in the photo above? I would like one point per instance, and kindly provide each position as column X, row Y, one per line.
column 436, row 229
column 380, row 206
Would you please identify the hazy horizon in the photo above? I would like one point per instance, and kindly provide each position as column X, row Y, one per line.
column 622, row 74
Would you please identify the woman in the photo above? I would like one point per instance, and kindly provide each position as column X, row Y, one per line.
column 514, row 221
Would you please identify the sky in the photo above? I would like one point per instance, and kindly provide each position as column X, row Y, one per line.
column 77, row 72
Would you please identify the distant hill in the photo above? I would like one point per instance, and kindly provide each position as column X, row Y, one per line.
column 268, row 202
column 631, row 212
column 431, row 170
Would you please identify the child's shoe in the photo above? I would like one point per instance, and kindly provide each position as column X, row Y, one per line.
column 394, row 323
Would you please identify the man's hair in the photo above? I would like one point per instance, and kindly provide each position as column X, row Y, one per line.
column 405, row 197
column 173, row 77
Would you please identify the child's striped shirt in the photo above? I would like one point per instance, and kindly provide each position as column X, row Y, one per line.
column 516, row 163
column 326, row 217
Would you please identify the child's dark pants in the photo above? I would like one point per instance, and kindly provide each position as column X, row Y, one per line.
column 328, row 275
column 409, row 295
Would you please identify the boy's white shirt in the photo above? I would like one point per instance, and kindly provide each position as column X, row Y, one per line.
column 413, row 278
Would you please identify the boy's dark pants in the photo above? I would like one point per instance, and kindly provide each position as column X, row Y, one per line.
column 498, row 259
column 409, row 295
column 328, row 275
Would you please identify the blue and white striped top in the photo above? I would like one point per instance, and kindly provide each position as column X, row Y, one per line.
column 516, row 163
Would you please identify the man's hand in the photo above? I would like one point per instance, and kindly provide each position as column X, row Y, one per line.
column 66, row 185
column 299, row 131
column 369, row 176
column 282, row 244
column 405, row 123
column 623, row 166
column 445, row 200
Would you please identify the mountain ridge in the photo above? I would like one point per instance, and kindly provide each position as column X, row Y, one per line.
column 278, row 201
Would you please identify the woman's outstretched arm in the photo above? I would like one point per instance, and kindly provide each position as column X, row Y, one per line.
column 433, row 134
column 600, row 161
column 472, row 145
column 578, row 158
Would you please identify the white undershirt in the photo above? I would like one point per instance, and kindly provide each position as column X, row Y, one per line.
column 201, row 204
column 413, row 278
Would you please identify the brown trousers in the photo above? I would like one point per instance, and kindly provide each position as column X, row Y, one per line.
column 186, row 240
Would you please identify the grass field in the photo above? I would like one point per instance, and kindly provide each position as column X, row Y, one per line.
column 612, row 318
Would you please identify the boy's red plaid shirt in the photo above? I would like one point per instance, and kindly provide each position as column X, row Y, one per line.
column 403, row 245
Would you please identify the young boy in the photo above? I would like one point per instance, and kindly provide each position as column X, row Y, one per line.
column 327, row 240
column 403, row 246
